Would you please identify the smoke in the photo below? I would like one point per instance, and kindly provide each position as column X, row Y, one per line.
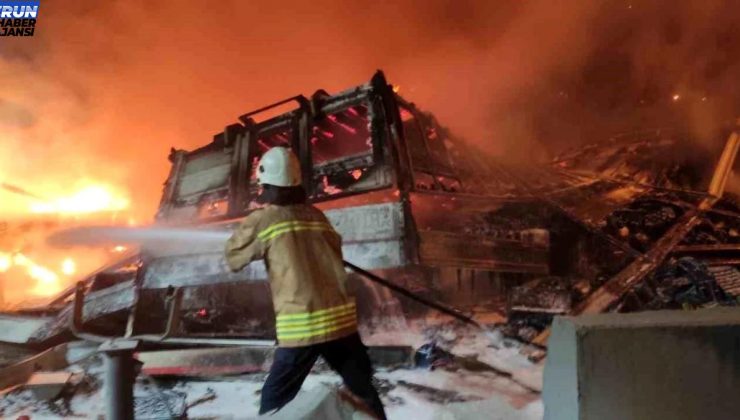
column 104, row 89
column 658, row 64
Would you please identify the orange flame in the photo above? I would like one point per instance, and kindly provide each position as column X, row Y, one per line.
column 119, row 248
column 5, row 262
column 91, row 199
column 47, row 281
column 68, row 266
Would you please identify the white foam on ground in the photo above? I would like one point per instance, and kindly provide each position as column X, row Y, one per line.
column 238, row 398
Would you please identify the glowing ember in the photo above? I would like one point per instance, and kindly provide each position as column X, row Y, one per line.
column 88, row 200
column 396, row 88
column 68, row 266
column 676, row 97
column 327, row 134
column 356, row 174
column 328, row 188
column 335, row 120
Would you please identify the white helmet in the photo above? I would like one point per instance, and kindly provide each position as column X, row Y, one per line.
column 279, row 167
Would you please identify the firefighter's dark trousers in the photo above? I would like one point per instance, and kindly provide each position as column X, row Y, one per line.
column 347, row 356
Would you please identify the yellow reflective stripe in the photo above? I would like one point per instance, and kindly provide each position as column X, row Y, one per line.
column 309, row 315
column 282, row 227
column 328, row 320
column 329, row 323
column 279, row 225
column 314, row 333
column 295, row 229
column 314, row 320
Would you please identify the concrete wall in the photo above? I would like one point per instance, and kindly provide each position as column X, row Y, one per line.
column 648, row 365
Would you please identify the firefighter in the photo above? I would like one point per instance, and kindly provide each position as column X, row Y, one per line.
column 315, row 315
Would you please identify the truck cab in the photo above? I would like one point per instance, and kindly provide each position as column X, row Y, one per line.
column 400, row 189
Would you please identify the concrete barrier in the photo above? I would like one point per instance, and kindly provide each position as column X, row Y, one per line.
column 649, row 365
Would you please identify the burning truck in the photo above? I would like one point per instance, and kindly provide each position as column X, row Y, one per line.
column 599, row 229
column 386, row 174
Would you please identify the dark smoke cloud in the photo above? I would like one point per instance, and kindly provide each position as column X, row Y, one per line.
column 642, row 57
column 112, row 85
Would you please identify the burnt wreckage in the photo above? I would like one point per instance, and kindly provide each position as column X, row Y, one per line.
column 620, row 225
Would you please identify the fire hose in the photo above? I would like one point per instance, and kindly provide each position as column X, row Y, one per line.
column 424, row 301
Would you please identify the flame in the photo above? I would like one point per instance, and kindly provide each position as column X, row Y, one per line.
column 119, row 248
column 32, row 277
column 47, row 280
column 40, row 271
column 91, row 199
column 5, row 262
column 68, row 266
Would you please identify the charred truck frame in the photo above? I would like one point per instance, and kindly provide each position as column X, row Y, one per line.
column 380, row 169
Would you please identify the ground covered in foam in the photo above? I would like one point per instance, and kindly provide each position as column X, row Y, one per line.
column 487, row 376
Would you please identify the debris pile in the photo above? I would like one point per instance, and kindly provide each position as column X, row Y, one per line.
column 685, row 283
column 644, row 220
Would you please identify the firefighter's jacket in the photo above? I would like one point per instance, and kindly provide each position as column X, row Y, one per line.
column 303, row 255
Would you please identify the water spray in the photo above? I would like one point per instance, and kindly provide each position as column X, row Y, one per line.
column 143, row 236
